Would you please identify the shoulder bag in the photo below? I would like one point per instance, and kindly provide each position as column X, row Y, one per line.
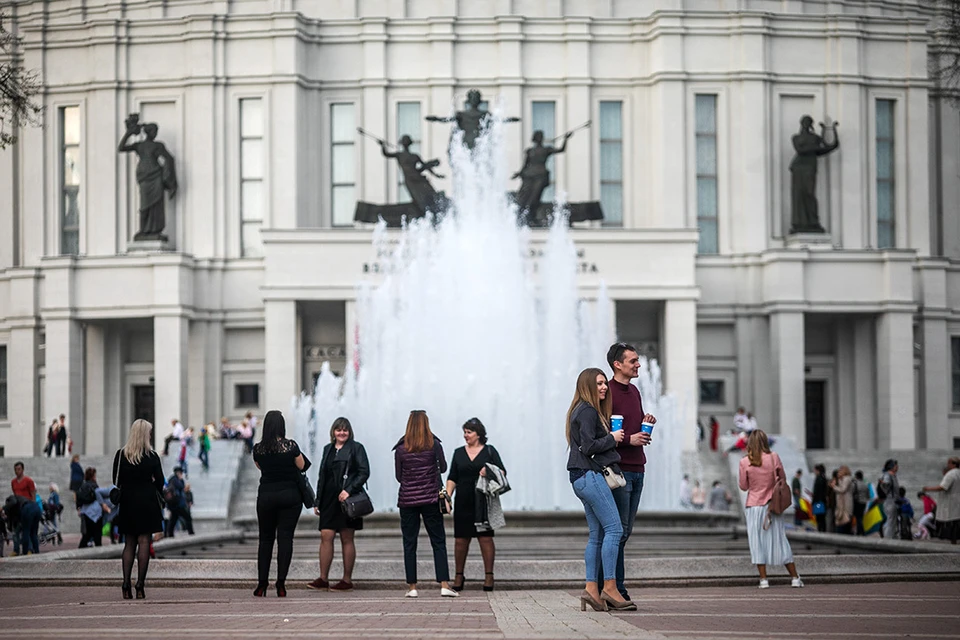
column 782, row 496
column 115, row 492
column 307, row 494
column 443, row 497
column 358, row 504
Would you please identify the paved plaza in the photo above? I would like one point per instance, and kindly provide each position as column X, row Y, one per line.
column 882, row 610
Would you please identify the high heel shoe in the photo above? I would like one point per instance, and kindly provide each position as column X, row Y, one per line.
column 281, row 591
column 261, row 590
column 458, row 587
column 617, row 605
column 127, row 591
column 139, row 589
column 596, row 605
column 488, row 587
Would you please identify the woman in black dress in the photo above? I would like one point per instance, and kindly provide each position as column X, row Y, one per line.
column 344, row 470
column 279, row 501
column 468, row 464
column 139, row 475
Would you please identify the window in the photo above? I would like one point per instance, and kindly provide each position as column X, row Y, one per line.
column 711, row 392
column 885, row 174
column 408, row 124
column 251, row 176
column 3, row 383
column 611, row 161
column 955, row 369
column 70, row 181
column 342, row 164
column 544, row 118
column 706, row 140
column 247, row 395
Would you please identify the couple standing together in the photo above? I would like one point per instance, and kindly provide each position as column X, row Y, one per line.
column 596, row 450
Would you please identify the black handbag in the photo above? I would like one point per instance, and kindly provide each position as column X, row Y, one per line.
column 358, row 504
column 443, row 497
column 307, row 494
column 115, row 492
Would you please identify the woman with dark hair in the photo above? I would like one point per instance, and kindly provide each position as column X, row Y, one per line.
column 279, row 501
column 820, row 497
column 468, row 464
column 92, row 506
column 344, row 470
column 765, row 533
column 888, row 490
column 419, row 465
column 593, row 447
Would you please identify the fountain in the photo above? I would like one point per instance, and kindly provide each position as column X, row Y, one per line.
column 464, row 325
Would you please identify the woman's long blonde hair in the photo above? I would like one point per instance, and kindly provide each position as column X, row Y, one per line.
column 138, row 442
column 586, row 391
column 757, row 445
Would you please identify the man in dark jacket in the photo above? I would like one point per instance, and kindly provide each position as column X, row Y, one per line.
column 176, row 499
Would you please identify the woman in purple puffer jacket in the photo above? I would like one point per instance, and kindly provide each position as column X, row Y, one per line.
column 419, row 462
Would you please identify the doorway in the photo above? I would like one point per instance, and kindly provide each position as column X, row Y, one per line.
column 816, row 414
column 143, row 407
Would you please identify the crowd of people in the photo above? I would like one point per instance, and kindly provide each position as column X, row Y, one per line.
column 847, row 503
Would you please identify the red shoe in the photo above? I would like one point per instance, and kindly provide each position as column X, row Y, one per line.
column 319, row 583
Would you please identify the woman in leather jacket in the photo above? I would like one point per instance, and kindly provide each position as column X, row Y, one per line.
column 344, row 469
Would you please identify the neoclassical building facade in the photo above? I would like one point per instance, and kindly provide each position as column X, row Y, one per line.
column 847, row 339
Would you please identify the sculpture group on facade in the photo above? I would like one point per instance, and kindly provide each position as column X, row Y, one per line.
column 470, row 123
column 155, row 176
column 804, row 213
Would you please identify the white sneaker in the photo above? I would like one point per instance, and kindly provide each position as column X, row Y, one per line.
column 764, row 584
column 796, row 582
column 449, row 593
column 412, row 593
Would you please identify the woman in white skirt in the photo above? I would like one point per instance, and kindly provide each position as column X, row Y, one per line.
column 768, row 542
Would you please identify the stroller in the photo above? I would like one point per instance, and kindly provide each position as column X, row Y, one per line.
column 49, row 531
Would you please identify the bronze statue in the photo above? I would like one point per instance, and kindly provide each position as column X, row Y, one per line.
column 413, row 167
column 155, row 174
column 534, row 173
column 803, row 180
column 472, row 120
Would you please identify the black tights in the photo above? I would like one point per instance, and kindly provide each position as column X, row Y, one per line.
column 277, row 515
column 138, row 546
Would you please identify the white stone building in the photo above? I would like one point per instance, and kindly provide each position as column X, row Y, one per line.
column 852, row 340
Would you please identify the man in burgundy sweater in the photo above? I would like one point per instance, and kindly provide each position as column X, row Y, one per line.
column 625, row 362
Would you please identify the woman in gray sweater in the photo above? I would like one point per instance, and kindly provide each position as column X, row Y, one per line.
column 592, row 447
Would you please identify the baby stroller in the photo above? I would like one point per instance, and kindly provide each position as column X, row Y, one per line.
column 49, row 531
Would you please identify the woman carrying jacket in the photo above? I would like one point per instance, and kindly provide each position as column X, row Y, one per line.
column 768, row 541
column 592, row 447
column 344, row 469
column 842, row 487
column 419, row 464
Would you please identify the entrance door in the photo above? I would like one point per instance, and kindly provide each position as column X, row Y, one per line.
column 816, row 413
column 143, row 407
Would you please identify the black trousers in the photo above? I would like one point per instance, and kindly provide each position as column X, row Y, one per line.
column 92, row 530
column 410, row 529
column 858, row 509
column 175, row 514
column 821, row 522
column 277, row 513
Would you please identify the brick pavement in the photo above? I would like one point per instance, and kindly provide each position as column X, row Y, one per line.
column 876, row 611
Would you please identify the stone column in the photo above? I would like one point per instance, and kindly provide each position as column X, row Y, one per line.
column 936, row 388
column 64, row 361
column 170, row 370
column 94, row 405
column 22, row 393
column 787, row 351
column 282, row 353
column 680, row 363
column 865, row 390
column 895, row 396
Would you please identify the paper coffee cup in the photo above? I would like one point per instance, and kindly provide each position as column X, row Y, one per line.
column 616, row 423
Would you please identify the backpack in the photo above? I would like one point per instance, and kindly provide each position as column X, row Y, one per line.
column 782, row 496
column 86, row 494
column 169, row 495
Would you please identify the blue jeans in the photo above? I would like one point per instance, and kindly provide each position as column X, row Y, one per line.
column 603, row 518
column 628, row 501
column 30, row 527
